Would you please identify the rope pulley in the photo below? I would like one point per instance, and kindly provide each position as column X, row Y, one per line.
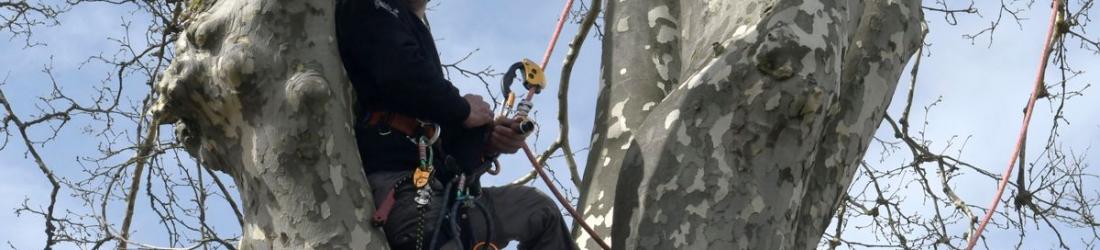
column 534, row 80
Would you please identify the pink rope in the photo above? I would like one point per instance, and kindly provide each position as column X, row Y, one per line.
column 1023, row 131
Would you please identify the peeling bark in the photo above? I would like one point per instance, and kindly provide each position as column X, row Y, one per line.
column 640, row 66
column 774, row 103
column 257, row 90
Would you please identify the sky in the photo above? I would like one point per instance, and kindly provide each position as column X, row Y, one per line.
column 981, row 87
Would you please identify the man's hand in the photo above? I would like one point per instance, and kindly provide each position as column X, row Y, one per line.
column 505, row 138
column 479, row 112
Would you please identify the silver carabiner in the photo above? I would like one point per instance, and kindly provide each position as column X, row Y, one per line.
column 435, row 137
column 438, row 131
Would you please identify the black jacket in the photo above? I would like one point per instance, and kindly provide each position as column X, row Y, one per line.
column 391, row 59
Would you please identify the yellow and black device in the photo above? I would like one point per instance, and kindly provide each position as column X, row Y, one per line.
column 534, row 80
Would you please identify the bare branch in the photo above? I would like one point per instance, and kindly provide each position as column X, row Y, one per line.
column 51, row 235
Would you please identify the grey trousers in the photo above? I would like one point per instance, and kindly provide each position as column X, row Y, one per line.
column 519, row 213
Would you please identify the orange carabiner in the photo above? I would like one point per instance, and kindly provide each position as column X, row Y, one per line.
column 489, row 245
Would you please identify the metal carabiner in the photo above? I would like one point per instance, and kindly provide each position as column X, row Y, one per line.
column 433, row 139
column 438, row 130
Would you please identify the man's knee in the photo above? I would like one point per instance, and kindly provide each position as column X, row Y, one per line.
column 534, row 198
column 543, row 209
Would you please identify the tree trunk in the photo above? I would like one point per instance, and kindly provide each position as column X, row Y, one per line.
column 257, row 90
column 738, row 124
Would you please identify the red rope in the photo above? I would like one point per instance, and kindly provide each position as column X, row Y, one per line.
column 531, row 156
column 1023, row 131
column 562, row 200
column 557, row 32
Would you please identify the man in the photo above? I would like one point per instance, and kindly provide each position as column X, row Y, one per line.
column 391, row 59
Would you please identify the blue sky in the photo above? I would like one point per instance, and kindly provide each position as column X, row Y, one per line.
column 983, row 88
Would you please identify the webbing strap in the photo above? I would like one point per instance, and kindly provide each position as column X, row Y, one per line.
column 383, row 212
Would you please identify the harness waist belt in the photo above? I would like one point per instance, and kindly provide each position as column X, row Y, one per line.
column 402, row 123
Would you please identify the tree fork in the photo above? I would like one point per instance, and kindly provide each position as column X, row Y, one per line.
column 750, row 146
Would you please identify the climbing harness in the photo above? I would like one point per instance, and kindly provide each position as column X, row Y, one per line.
column 427, row 136
column 1052, row 34
column 534, row 81
column 422, row 174
column 409, row 126
column 423, row 135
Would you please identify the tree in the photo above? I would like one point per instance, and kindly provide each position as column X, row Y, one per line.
column 741, row 122
column 720, row 124
column 257, row 90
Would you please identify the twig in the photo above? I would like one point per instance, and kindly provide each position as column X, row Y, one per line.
column 139, row 161
column 51, row 236
column 563, row 90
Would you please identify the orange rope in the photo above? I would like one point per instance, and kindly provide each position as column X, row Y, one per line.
column 1023, row 131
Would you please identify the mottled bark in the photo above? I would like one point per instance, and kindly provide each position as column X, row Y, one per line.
column 641, row 64
column 774, row 104
column 257, row 90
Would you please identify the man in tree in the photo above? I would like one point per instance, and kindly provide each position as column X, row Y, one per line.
column 419, row 138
